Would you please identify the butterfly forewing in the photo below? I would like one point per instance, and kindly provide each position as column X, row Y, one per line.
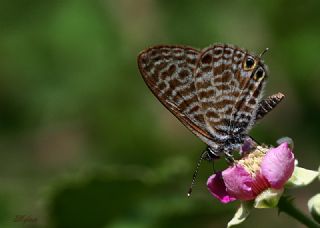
column 168, row 72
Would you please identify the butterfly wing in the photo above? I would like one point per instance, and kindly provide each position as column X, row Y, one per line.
column 226, row 93
column 168, row 72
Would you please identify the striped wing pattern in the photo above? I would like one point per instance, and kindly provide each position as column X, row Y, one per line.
column 168, row 71
column 209, row 91
column 228, row 95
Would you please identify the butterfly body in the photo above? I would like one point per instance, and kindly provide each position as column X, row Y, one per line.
column 215, row 92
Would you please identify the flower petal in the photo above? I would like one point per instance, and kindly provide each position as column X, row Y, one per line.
column 238, row 182
column 301, row 177
column 217, row 188
column 241, row 214
column 314, row 207
column 268, row 198
column 277, row 166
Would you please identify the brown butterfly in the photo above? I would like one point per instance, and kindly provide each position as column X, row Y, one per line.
column 215, row 92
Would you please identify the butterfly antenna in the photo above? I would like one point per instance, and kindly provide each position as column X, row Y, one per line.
column 264, row 52
column 196, row 172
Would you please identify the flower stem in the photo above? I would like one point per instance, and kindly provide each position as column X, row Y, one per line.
column 285, row 205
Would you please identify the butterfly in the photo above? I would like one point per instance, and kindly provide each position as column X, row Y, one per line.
column 215, row 92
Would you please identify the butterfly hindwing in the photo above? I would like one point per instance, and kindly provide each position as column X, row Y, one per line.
column 168, row 72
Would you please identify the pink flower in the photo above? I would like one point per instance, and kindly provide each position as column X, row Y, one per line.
column 254, row 173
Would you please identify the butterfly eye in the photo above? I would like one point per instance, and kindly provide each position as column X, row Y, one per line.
column 259, row 73
column 249, row 64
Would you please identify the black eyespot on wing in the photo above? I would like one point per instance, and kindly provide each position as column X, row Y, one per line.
column 249, row 62
column 259, row 73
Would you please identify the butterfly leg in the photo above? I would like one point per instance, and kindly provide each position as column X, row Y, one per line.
column 229, row 158
column 210, row 154
column 213, row 167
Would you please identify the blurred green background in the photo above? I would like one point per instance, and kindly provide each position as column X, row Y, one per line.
column 83, row 141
